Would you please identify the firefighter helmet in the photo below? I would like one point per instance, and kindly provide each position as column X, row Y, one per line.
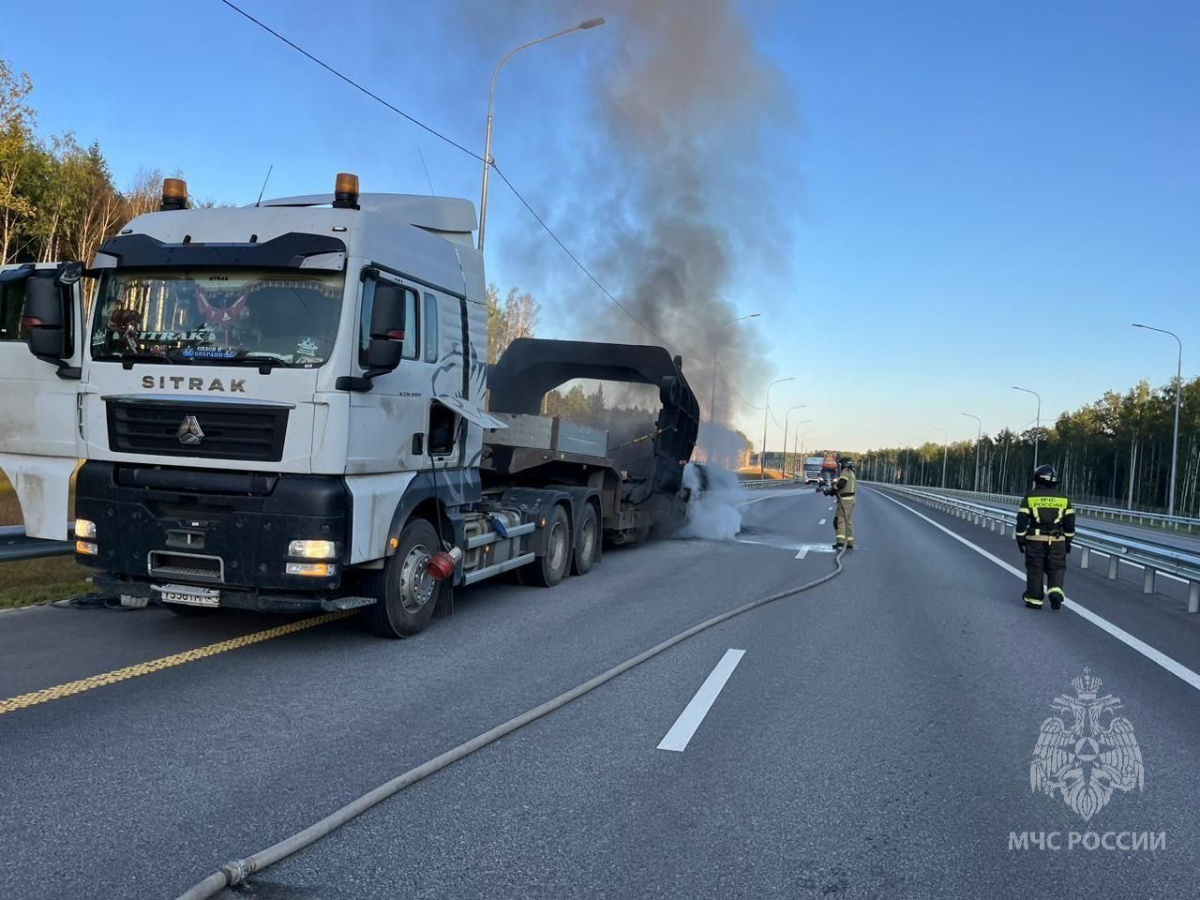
column 1045, row 476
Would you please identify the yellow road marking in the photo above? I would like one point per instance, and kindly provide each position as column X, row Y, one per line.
column 157, row 665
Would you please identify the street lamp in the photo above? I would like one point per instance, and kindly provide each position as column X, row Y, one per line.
column 785, row 430
column 1037, row 434
column 487, row 149
column 799, row 441
column 762, row 462
column 945, row 453
column 1178, row 394
column 978, row 441
column 716, row 348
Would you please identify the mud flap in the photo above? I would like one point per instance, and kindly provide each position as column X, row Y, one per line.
column 445, row 604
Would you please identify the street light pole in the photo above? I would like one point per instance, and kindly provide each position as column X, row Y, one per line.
column 945, row 453
column 801, row 439
column 978, row 442
column 762, row 460
column 785, row 430
column 487, row 148
column 716, row 349
column 1178, row 395
column 1037, row 434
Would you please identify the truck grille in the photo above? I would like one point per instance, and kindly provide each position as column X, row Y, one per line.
column 188, row 566
column 197, row 429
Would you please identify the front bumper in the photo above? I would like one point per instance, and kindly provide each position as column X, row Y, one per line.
column 224, row 531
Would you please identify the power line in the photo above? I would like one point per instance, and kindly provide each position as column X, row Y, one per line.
column 574, row 258
column 350, row 81
column 729, row 384
column 453, row 143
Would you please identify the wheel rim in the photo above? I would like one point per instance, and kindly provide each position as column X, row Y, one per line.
column 558, row 546
column 416, row 583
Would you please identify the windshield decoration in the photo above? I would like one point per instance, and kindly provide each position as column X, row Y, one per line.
column 217, row 316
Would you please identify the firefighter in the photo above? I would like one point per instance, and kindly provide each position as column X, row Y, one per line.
column 1045, row 529
column 844, row 488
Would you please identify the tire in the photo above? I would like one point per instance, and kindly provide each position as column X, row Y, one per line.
column 407, row 594
column 549, row 570
column 587, row 542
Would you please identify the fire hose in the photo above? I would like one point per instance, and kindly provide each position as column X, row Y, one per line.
column 236, row 872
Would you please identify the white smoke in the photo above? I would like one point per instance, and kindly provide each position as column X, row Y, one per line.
column 713, row 512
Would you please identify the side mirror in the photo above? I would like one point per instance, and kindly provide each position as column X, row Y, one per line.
column 45, row 322
column 383, row 355
column 389, row 312
column 389, row 315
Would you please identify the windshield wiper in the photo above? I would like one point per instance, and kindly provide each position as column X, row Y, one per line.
column 265, row 361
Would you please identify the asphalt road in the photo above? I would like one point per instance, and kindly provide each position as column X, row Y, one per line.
column 873, row 740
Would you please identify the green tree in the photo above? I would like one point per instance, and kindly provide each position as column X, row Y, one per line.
column 513, row 317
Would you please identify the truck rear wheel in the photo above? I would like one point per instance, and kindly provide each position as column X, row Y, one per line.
column 407, row 592
column 549, row 570
column 587, row 541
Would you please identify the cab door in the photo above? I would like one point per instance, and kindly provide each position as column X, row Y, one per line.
column 41, row 312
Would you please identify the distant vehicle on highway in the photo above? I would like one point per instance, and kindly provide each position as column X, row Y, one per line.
column 812, row 469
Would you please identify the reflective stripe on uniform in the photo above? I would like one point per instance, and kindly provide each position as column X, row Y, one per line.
column 1033, row 601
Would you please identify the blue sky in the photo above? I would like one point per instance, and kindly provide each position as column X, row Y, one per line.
column 970, row 195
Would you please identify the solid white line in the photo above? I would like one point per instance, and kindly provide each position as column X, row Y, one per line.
column 693, row 714
column 1177, row 669
column 803, row 553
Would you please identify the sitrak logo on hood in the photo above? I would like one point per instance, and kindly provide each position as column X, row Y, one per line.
column 189, row 432
column 180, row 382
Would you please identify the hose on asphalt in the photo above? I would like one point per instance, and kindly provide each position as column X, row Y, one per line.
column 237, row 871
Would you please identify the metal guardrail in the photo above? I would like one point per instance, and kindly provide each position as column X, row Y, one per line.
column 14, row 545
column 1132, row 516
column 758, row 484
column 1151, row 558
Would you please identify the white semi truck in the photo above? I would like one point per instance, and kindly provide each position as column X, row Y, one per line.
column 282, row 407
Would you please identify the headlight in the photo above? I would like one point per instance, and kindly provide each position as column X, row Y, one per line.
column 312, row 570
column 313, row 549
column 85, row 528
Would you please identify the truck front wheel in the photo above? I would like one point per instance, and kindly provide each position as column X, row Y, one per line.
column 407, row 593
column 548, row 570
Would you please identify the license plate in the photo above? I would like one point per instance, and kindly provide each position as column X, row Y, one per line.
column 187, row 595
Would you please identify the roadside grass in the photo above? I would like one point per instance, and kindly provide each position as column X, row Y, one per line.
column 28, row 581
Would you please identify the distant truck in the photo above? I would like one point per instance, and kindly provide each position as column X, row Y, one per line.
column 812, row 469
column 281, row 407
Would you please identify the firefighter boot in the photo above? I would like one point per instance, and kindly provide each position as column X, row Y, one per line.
column 1032, row 602
column 1056, row 597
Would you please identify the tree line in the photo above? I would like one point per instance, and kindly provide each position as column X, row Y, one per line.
column 1115, row 451
column 57, row 198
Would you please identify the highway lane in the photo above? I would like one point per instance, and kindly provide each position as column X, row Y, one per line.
column 205, row 761
column 873, row 741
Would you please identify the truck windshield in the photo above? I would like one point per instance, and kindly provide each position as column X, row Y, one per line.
column 217, row 316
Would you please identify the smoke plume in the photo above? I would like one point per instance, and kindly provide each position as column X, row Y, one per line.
column 666, row 199
column 714, row 513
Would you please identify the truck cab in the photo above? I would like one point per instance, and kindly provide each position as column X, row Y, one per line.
column 281, row 407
